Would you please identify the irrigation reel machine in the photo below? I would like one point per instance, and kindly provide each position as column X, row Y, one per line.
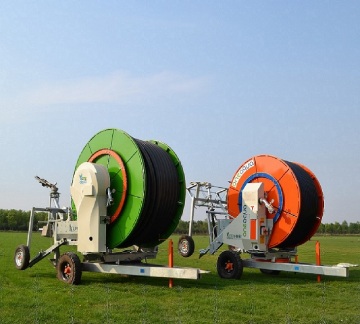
column 128, row 196
column 270, row 208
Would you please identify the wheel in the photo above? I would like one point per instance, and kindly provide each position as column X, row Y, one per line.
column 186, row 246
column 229, row 265
column 270, row 272
column 69, row 268
column 22, row 257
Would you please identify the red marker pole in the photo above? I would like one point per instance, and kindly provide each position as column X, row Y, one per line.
column 318, row 260
column 171, row 260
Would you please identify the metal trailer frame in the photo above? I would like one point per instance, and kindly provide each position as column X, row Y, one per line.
column 63, row 229
column 267, row 260
column 203, row 195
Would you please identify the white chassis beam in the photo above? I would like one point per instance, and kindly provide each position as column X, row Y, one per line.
column 336, row 271
column 144, row 270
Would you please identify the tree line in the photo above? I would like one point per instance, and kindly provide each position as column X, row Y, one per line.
column 201, row 227
column 18, row 220
column 337, row 228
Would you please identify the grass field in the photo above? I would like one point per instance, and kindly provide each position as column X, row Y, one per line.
column 36, row 296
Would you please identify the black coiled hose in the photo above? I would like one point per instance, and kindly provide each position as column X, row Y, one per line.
column 161, row 196
column 308, row 207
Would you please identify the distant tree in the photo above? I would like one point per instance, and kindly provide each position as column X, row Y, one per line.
column 3, row 220
column 12, row 219
column 344, row 227
column 330, row 228
column 354, row 228
column 322, row 229
column 199, row 227
column 337, row 228
column 182, row 228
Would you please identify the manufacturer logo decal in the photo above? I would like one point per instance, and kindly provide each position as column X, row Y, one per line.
column 231, row 236
column 82, row 179
column 241, row 171
column 73, row 228
column 245, row 220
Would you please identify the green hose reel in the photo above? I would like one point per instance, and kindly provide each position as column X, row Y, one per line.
column 148, row 185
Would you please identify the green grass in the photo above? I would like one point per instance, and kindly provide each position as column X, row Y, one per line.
column 36, row 296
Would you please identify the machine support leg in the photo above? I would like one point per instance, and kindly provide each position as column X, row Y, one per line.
column 192, row 211
column 31, row 224
column 171, row 260
column 318, row 260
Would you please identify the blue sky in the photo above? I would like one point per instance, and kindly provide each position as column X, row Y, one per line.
column 219, row 81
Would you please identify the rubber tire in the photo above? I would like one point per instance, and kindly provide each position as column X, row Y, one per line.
column 22, row 257
column 270, row 272
column 186, row 246
column 69, row 259
column 233, row 258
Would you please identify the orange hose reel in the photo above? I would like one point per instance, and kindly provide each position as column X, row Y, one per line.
column 296, row 194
